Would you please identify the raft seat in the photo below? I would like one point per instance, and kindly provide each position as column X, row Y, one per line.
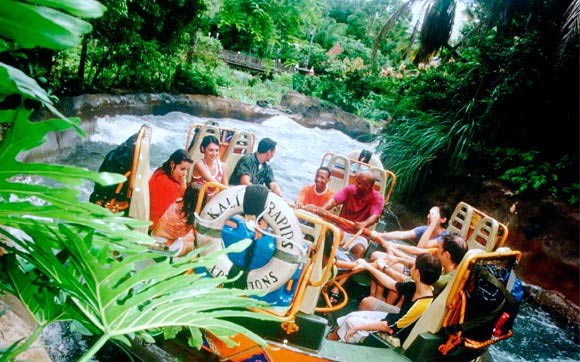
column 139, row 179
column 344, row 171
column 460, row 220
column 233, row 143
column 479, row 229
column 241, row 143
column 323, row 238
column 339, row 174
column 487, row 233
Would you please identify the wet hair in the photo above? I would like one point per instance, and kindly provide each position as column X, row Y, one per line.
column 207, row 140
column 445, row 212
column 365, row 156
column 266, row 144
column 190, row 198
column 429, row 268
column 176, row 157
column 456, row 246
column 325, row 169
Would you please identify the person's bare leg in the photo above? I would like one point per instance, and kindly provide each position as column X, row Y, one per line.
column 333, row 336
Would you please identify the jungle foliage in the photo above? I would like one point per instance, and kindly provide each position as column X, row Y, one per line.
column 446, row 107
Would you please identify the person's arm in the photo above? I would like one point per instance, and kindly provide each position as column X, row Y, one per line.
column 198, row 169
column 373, row 219
column 245, row 179
column 225, row 175
column 379, row 326
column 300, row 200
column 244, row 168
column 392, row 272
column 409, row 249
column 329, row 205
column 275, row 188
column 381, row 277
column 425, row 240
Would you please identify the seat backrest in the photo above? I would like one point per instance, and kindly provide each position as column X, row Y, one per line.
column 339, row 171
column 460, row 220
column 485, row 234
column 432, row 319
column 139, row 178
column 443, row 311
column 203, row 131
column 321, row 236
column 479, row 229
column 240, row 144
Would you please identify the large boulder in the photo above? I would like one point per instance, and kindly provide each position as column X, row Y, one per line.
column 312, row 112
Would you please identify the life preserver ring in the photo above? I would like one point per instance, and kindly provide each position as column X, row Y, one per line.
column 367, row 157
column 289, row 253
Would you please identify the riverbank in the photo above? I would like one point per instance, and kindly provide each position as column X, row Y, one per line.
column 307, row 111
column 548, row 243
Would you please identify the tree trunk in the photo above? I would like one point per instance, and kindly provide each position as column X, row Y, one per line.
column 82, row 62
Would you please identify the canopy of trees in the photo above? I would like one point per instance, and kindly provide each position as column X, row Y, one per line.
column 499, row 101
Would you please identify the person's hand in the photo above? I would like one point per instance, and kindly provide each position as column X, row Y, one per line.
column 361, row 264
column 434, row 216
column 321, row 211
column 380, row 264
column 351, row 332
column 385, row 244
column 358, row 225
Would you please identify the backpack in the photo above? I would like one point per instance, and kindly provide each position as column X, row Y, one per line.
column 119, row 160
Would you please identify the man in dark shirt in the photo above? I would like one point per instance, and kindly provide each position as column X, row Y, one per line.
column 253, row 169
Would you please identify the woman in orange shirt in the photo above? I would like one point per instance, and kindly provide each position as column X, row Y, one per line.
column 177, row 221
column 167, row 184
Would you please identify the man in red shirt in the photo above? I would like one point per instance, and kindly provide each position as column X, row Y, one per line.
column 362, row 204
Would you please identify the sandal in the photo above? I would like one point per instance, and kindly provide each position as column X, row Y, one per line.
column 334, row 296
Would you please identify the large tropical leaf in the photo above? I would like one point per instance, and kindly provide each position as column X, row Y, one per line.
column 115, row 300
column 36, row 197
column 13, row 81
column 44, row 25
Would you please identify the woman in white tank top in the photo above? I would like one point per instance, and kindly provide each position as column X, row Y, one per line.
column 210, row 168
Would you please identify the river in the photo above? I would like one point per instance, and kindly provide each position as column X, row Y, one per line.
column 537, row 335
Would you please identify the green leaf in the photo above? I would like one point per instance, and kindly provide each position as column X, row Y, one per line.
column 116, row 301
column 31, row 26
column 4, row 45
column 83, row 9
column 196, row 338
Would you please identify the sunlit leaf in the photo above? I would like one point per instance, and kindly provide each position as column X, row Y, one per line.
column 83, row 9
column 31, row 26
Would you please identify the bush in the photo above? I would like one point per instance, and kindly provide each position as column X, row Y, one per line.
column 194, row 79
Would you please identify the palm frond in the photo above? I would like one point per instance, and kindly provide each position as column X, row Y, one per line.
column 391, row 21
column 436, row 28
column 571, row 25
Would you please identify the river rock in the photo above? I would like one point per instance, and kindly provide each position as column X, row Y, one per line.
column 312, row 112
column 16, row 324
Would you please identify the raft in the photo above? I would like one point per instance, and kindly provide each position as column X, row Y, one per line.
column 293, row 256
